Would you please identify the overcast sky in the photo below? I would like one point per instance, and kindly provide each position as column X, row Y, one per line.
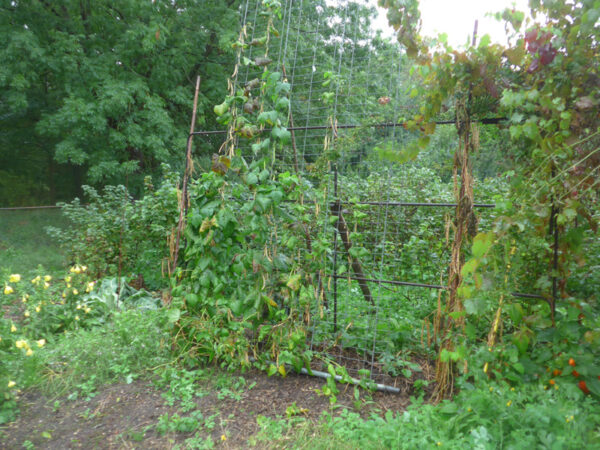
column 457, row 17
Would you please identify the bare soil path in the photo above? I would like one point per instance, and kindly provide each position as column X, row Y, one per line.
column 125, row 415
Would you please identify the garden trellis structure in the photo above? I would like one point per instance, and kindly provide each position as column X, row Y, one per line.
column 347, row 110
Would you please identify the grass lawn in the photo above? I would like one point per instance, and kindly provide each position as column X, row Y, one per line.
column 24, row 243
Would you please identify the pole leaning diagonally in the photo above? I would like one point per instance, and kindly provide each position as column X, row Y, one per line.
column 184, row 202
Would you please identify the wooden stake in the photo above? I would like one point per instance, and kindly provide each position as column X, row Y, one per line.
column 189, row 167
column 342, row 227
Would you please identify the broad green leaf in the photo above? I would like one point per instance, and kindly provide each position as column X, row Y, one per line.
column 282, row 134
column 173, row 315
column 482, row 243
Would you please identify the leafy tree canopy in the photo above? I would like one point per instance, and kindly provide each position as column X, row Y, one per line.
column 106, row 86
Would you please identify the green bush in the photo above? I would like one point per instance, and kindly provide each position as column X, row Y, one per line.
column 113, row 233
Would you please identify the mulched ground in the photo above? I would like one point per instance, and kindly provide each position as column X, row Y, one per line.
column 121, row 415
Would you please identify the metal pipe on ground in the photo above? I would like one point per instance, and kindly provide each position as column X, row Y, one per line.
column 325, row 375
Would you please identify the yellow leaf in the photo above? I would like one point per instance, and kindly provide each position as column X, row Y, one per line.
column 281, row 370
column 207, row 224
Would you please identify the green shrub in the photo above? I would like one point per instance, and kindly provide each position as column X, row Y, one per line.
column 115, row 235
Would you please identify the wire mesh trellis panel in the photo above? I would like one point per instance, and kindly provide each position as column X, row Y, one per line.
column 344, row 79
column 347, row 96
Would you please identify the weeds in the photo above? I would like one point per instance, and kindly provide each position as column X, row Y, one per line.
column 498, row 416
column 132, row 343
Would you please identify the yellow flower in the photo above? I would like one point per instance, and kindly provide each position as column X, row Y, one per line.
column 8, row 289
column 76, row 317
column 46, row 285
column 508, row 403
column 41, row 343
column 87, row 310
column 469, row 409
column 75, row 292
column 75, row 269
column 64, row 295
column 78, row 306
column 90, row 286
column 29, row 352
column 570, row 418
column 68, row 279
column 47, row 278
column 439, row 444
column 21, row 343
column 26, row 313
column 11, row 384
column 13, row 329
column 36, row 280
column 491, row 389
column 24, row 299
column 512, row 389
column 223, row 437
column 69, row 285
column 83, row 268
column 14, row 278
column 38, row 309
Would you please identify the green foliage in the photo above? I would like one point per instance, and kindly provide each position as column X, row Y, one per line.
column 44, row 327
column 176, row 424
column 101, row 91
column 182, row 386
column 116, row 235
column 134, row 341
column 233, row 237
column 480, row 419
column 476, row 418
column 536, row 242
column 247, row 282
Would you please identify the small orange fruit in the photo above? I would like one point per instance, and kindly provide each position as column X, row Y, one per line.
column 571, row 362
column 552, row 382
column 575, row 373
column 583, row 387
column 556, row 372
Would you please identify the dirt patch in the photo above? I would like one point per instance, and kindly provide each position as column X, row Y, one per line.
column 125, row 415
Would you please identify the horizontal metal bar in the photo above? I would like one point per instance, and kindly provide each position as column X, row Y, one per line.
column 476, row 205
column 429, row 286
column 398, row 283
column 493, row 120
column 519, row 294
